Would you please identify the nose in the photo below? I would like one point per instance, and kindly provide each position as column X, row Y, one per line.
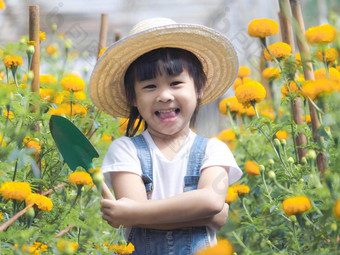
column 165, row 95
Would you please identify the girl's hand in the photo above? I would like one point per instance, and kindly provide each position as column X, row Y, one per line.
column 119, row 212
column 220, row 219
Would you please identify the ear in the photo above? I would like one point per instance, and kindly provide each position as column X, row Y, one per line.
column 200, row 94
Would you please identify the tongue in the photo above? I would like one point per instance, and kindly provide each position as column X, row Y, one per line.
column 167, row 115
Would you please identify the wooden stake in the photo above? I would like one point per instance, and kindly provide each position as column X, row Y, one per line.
column 288, row 37
column 34, row 35
column 309, row 75
column 118, row 35
column 103, row 32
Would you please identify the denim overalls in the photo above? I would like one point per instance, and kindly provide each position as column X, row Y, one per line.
column 184, row 241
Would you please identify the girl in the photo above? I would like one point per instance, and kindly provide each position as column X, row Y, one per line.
column 170, row 184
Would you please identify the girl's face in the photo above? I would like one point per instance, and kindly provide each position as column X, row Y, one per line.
column 166, row 102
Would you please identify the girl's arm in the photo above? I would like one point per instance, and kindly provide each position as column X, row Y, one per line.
column 133, row 209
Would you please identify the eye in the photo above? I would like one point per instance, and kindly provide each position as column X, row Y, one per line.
column 175, row 83
column 150, row 86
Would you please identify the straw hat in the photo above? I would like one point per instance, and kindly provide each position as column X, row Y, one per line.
column 213, row 49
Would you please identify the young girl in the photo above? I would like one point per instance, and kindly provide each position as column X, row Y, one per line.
column 170, row 184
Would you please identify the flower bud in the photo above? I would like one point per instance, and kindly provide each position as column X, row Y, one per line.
column 30, row 75
column 30, row 50
column 291, row 160
column 54, row 27
column 68, row 44
column 301, row 180
column 30, row 213
column 292, row 218
column 271, row 161
column 334, row 227
column 261, row 168
column 283, row 142
column 311, row 154
column 277, row 143
column 98, row 177
column 303, row 161
column 271, row 174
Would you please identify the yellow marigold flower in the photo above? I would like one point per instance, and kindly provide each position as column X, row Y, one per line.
column 72, row 84
column 334, row 74
column 15, row 190
column 314, row 89
column 223, row 247
column 80, row 95
column 2, row 142
column 107, row 137
column 42, row 202
column 252, row 168
column 321, row 34
column 243, row 71
column 331, row 55
column 234, row 105
column 267, row 111
column 31, row 143
column 231, row 195
column 2, row 4
column 67, row 247
column 271, row 73
column 281, row 134
column 227, row 135
column 9, row 114
column 250, row 92
column 124, row 123
column 237, row 83
column 298, row 59
column 293, row 87
column 65, row 109
column 242, row 189
column 47, row 78
column 296, row 205
column 31, row 43
column 122, row 248
column 101, row 52
column 13, row 61
column 1, row 217
column 80, row 178
column 42, row 36
column 278, row 50
column 250, row 111
column 262, row 28
column 37, row 247
column 51, row 49
column 336, row 209
column 307, row 118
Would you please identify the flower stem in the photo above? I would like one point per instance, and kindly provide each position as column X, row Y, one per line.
column 266, row 187
column 253, row 103
column 240, row 242
column 246, row 210
column 292, row 126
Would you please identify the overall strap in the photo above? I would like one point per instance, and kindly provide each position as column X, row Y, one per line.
column 197, row 153
column 144, row 156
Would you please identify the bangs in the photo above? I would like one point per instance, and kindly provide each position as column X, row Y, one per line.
column 149, row 65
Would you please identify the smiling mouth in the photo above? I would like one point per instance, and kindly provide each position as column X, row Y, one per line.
column 168, row 113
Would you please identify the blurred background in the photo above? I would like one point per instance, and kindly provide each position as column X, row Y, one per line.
column 79, row 21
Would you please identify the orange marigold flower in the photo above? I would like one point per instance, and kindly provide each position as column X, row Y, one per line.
column 334, row 74
column 42, row 36
column 281, row 134
column 13, row 61
column 31, row 143
column 250, row 111
column 2, row 4
column 15, row 190
column 223, row 247
column 107, row 137
column 227, row 135
column 101, row 52
column 42, row 202
column 80, row 178
column 234, row 105
column 271, row 73
column 73, row 84
column 47, row 78
column 298, row 59
column 336, row 209
column 243, row 71
column 242, row 189
column 2, row 142
column 314, row 89
column 37, row 247
column 123, row 126
column 231, row 195
column 51, row 49
column 278, row 50
column 250, row 92
column 237, row 82
column 331, row 55
column 9, row 114
column 65, row 109
column 122, row 248
column 321, row 34
column 296, row 205
column 1, row 217
column 80, row 95
column 293, row 87
column 267, row 111
column 67, row 247
column 262, row 28
column 252, row 168
column 307, row 118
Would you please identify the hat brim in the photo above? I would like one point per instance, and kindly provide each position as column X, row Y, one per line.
column 213, row 49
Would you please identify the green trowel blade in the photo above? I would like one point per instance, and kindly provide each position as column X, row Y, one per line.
column 75, row 148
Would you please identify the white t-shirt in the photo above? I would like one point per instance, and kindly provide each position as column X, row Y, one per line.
column 168, row 176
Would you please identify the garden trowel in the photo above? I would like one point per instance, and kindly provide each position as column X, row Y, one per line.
column 75, row 148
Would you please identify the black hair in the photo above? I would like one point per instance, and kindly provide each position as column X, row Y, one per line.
column 147, row 67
